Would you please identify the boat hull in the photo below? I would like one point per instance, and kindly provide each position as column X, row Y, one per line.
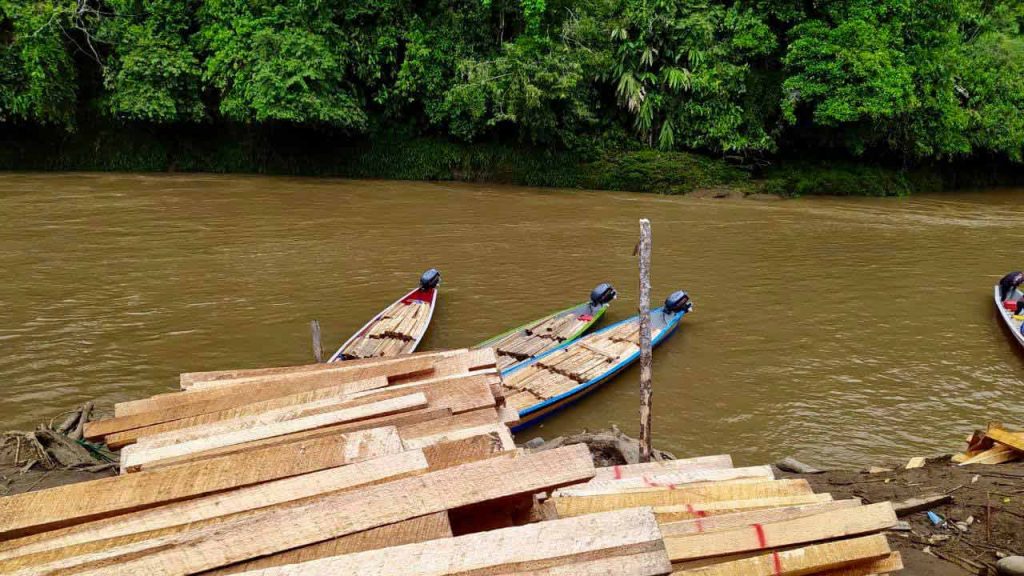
column 392, row 343
column 1007, row 316
column 535, row 413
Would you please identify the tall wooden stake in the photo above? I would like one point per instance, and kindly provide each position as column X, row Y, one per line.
column 318, row 347
column 645, row 340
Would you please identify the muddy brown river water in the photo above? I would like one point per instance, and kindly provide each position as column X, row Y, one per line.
column 835, row 330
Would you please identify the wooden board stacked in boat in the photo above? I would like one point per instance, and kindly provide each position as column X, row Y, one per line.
column 530, row 340
column 398, row 329
column 559, row 377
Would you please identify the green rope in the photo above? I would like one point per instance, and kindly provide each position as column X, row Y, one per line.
column 99, row 451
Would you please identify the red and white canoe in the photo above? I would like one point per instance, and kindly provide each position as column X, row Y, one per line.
column 1014, row 323
column 399, row 328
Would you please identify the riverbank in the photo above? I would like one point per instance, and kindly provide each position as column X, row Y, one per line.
column 978, row 508
column 628, row 168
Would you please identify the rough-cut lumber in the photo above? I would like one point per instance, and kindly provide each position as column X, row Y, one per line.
column 891, row 563
column 801, row 561
column 135, row 456
column 668, row 466
column 119, row 440
column 422, row 363
column 458, row 452
column 1014, row 440
column 32, row 512
column 643, row 564
column 455, row 422
column 921, row 504
column 396, row 420
column 668, row 481
column 200, row 401
column 576, row 505
column 421, row 529
column 222, row 503
column 361, row 409
column 497, row 430
column 718, row 522
column 204, row 403
column 823, row 526
column 677, row 513
column 283, row 527
column 998, row 454
column 522, row 548
column 187, row 379
column 462, row 393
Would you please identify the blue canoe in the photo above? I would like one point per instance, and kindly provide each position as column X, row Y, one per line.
column 561, row 376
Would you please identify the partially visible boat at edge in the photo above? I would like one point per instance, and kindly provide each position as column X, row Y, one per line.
column 530, row 340
column 1014, row 323
column 399, row 328
column 561, row 376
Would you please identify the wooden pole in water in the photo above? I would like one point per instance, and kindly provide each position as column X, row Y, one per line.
column 318, row 347
column 645, row 340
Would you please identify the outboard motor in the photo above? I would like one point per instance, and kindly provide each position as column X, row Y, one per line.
column 430, row 279
column 602, row 294
column 678, row 301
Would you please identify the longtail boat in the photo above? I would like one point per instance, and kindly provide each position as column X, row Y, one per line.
column 1007, row 309
column 561, row 376
column 399, row 328
column 530, row 340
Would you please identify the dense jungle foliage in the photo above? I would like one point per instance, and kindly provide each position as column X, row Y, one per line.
column 601, row 84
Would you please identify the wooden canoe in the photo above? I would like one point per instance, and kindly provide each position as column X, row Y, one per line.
column 554, row 380
column 526, row 342
column 1014, row 323
column 396, row 330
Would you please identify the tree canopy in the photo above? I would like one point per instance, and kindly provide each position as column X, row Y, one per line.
column 916, row 80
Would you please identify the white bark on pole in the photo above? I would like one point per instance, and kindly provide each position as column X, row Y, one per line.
column 318, row 347
column 646, row 358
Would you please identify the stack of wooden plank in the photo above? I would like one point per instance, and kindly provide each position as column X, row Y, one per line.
column 994, row 445
column 563, row 370
column 406, row 466
column 393, row 332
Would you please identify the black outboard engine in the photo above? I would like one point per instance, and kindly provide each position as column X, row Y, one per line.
column 678, row 301
column 602, row 294
column 430, row 279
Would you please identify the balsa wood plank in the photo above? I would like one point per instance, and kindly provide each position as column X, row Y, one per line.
column 470, row 419
column 497, row 430
column 718, row 522
column 892, row 563
column 448, row 454
column 800, row 561
column 717, row 462
column 222, row 503
column 230, row 393
column 667, row 481
column 460, row 392
column 135, row 456
column 396, row 420
column 187, row 379
column 205, row 403
column 32, row 512
column 119, row 440
column 1014, row 440
column 678, row 513
column 576, row 505
column 826, row 525
column 287, row 526
column 643, row 564
column 522, row 548
column 430, row 527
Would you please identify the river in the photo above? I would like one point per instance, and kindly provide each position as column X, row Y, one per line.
column 835, row 330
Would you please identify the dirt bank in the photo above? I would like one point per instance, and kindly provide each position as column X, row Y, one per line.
column 983, row 519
